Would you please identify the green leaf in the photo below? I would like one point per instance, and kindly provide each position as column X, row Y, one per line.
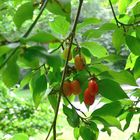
column 114, row 1
column 136, row 136
column 122, row 5
column 23, row 13
column 53, row 100
column 28, row 59
column 43, row 37
column 107, row 129
column 137, row 68
column 108, row 26
column 76, row 133
column 72, row 116
column 122, row 77
column 4, row 50
column 38, row 87
column 20, row 136
column 118, row 38
column 130, row 63
column 111, row 90
column 138, row 32
column 94, row 33
column 57, row 24
column 26, row 79
column 54, row 60
column 11, row 73
column 109, row 121
column 136, row 10
column 136, row 93
column 128, row 120
column 107, row 109
column 88, row 21
column 95, row 49
column 86, row 133
column 133, row 44
column 61, row 7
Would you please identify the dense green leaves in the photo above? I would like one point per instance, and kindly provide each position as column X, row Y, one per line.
column 111, row 90
column 23, row 13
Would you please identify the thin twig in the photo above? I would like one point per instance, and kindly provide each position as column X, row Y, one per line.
column 9, row 57
column 119, row 22
column 113, row 13
column 35, row 21
column 138, row 129
column 74, row 106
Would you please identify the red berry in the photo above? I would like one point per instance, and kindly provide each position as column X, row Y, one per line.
column 79, row 62
column 88, row 98
column 67, row 88
column 75, row 87
column 93, row 87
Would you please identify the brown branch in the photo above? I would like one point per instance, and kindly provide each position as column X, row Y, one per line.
column 138, row 129
column 71, row 36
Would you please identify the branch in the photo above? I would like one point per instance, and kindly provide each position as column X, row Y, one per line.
column 26, row 34
column 35, row 21
column 71, row 36
column 9, row 57
column 74, row 106
column 119, row 22
column 138, row 129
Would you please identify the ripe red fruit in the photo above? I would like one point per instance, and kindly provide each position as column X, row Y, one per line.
column 75, row 87
column 88, row 98
column 65, row 54
column 80, row 62
column 67, row 88
column 93, row 87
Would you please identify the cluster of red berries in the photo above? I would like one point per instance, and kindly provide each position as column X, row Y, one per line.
column 90, row 92
column 73, row 87
column 70, row 88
